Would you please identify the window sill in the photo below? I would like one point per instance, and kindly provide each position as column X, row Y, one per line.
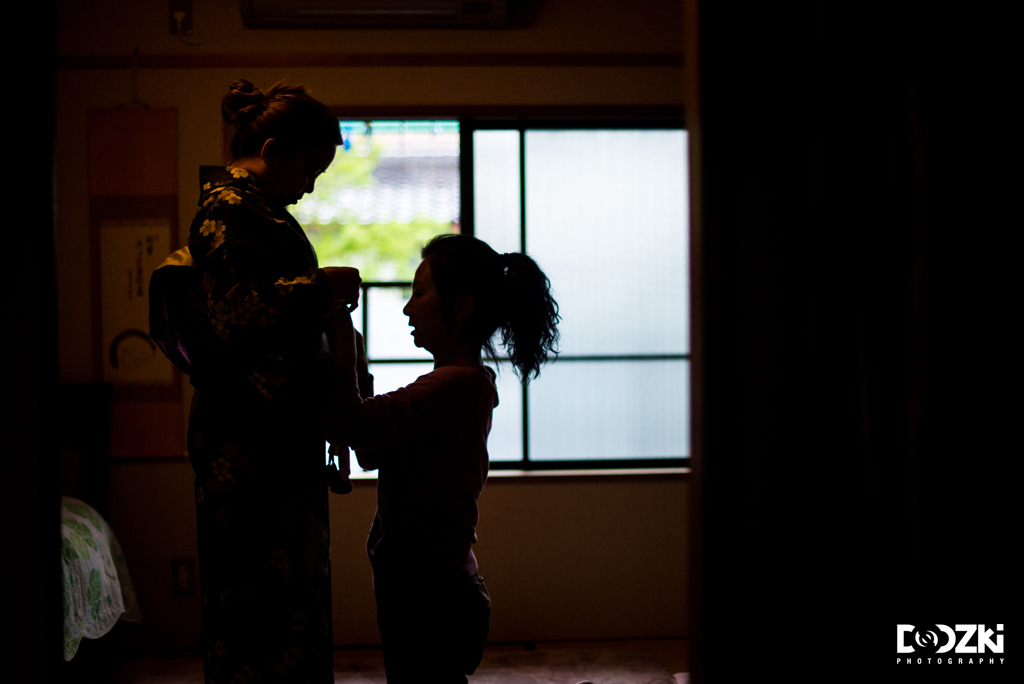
column 564, row 475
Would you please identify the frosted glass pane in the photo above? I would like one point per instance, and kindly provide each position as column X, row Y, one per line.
column 388, row 377
column 389, row 332
column 505, row 442
column 496, row 189
column 583, row 410
column 606, row 219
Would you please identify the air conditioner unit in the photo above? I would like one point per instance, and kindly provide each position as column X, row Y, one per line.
column 321, row 14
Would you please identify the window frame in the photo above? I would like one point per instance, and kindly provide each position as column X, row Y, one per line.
column 523, row 119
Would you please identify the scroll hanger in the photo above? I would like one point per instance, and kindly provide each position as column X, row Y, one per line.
column 135, row 101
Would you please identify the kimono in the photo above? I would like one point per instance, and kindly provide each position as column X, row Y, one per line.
column 247, row 324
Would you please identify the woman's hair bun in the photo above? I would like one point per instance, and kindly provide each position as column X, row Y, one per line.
column 286, row 113
column 242, row 101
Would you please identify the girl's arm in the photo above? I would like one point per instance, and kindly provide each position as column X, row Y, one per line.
column 349, row 357
column 343, row 392
column 349, row 373
column 345, row 344
column 434, row 401
column 367, row 458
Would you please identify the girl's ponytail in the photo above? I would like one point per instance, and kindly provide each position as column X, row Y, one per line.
column 530, row 328
column 510, row 293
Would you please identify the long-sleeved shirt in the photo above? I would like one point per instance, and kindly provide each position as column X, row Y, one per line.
column 429, row 441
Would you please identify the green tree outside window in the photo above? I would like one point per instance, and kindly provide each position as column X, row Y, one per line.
column 381, row 251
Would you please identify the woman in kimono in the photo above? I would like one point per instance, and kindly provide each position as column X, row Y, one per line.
column 255, row 435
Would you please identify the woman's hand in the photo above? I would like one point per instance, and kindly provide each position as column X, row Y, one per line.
column 343, row 283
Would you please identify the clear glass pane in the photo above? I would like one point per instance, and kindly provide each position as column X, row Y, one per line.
column 389, row 332
column 496, row 207
column 607, row 221
column 505, row 442
column 583, row 410
column 393, row 185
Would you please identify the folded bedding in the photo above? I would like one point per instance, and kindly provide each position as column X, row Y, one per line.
column 97, row 587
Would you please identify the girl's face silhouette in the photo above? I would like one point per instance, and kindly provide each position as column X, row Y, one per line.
column 430, row 331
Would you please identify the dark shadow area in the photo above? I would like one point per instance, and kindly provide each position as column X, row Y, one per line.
column 100, row 660
column 83, row 438
column 32, row 467
column 857, row 417
column 523, row 13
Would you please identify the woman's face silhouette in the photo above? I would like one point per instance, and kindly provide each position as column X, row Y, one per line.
column 288, row 177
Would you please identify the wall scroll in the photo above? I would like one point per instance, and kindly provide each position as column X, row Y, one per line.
column 133, row 207
column 130, row 249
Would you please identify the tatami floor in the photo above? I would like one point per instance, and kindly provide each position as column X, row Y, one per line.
column 648, row 661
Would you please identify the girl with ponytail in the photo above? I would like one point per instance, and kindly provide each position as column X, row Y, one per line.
column 429, row 442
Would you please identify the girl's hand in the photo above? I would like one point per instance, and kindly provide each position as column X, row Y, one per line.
column 339, row 314
column 344, row 283
column 339, row 317
column 363, row 369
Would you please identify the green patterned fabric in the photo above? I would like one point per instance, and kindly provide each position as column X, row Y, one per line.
column 97, row 588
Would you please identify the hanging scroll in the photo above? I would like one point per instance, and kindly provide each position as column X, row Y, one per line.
column 130, row 249
column 133, row 207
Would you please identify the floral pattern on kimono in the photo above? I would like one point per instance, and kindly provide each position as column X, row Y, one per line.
column 265, row 296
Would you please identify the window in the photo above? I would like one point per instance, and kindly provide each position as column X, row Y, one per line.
column 601, row 206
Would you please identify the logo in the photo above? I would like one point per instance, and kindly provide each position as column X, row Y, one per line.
column 945, row 645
